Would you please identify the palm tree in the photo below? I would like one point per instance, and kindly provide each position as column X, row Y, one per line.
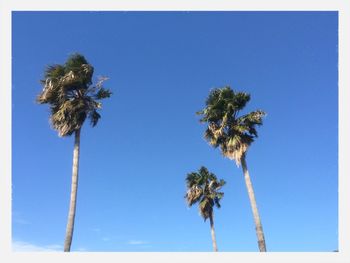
column 72, row 98
column 234, row 134
column 202, row 187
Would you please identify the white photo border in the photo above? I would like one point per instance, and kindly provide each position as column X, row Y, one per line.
column 6, row 9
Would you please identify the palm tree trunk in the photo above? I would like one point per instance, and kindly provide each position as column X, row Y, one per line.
column 213, row 231
column 73, row 195
column 258, row 226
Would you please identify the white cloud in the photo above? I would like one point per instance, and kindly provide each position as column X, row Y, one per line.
column 96, row 229
column 18, row 218
column 21, row 221
column 82, row 249
column 137, row 242
column 21, row 246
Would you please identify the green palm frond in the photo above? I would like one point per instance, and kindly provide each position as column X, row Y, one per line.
column 54, row 72
column 249, row 121
column 240, row 100
column 206, row 207
column 68, row 90
column 202, row 187
column 217, row 199
column 102, row 94
column 192, row 179
column 74, row 62
column 94, row 117
column 233, row 134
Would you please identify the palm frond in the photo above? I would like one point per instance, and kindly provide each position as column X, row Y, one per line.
column 74, row 62
column 55, row 71
column 192, row 179
column 240, row 100
column 67, row 89
column 193, row 195
column 94, row 117
column 225, row 128
column 102, row 94
column 206, row 207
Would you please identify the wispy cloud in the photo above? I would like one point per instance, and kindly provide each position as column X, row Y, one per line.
column 137, row 242
column 18, row 218
column 21, row 246
column 100, row 233
column 21, row 221
column 96, row 229
column 82, row 249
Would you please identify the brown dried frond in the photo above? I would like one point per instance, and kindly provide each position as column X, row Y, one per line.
column 69, row 117
column 47, row 93
column 193, row 194
column 68, row 79
column 100, row 81
column 215, row 129
column 234, row 149
column 235, row 155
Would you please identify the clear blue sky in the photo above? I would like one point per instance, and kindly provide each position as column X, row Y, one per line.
column 133, row 164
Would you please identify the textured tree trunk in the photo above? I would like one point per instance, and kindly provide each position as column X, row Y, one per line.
column 212, row 230
column 258, row 226
column 73, row 195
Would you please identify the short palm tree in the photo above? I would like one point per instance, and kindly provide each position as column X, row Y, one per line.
column 234, row 134
column 203, row 187
column 72, row 98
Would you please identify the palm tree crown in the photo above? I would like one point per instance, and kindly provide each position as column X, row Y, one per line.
column 226, row 129
column 72, row 97
column 203, row 187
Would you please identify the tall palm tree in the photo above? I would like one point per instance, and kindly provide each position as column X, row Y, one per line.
column 202, row 187
column 72, row 97
column 234, row 134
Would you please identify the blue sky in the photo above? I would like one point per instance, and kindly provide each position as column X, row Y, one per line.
column 133, row 164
